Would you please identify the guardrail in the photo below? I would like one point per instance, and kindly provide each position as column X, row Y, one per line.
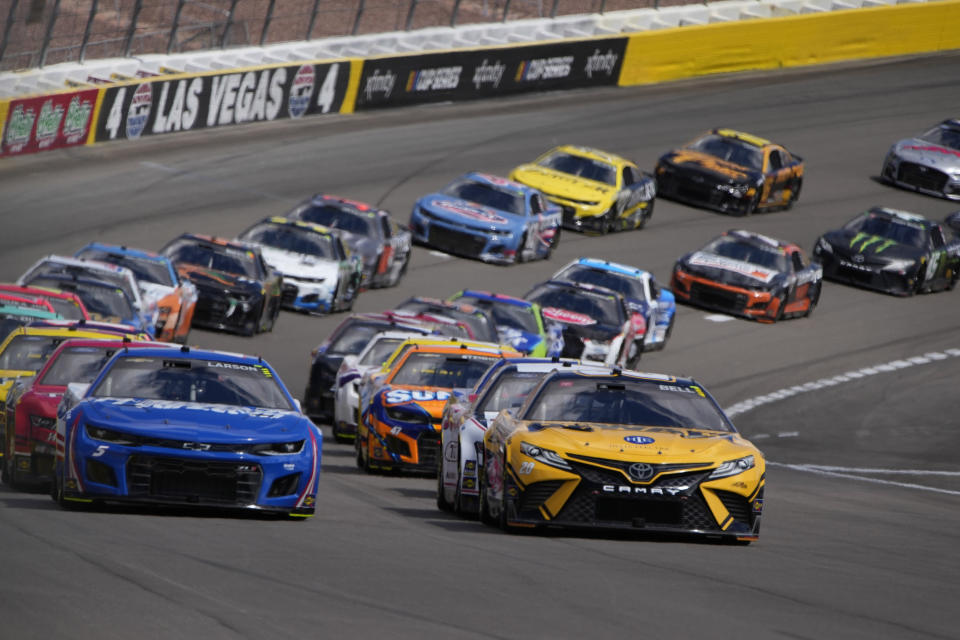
column 170, row 102
column 35, row 33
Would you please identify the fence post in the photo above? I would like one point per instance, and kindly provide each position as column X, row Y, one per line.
column 226, row 28
column 603, row 5
column 313, row 18
column 413, row 7
column 137, row 6
column 506, row 10
column 266, row 21
column 176, row 25
column 553, row 11
column 6, row 31
column 456, row 10
column 49, row 34
column 356, row 20
column 86, row 30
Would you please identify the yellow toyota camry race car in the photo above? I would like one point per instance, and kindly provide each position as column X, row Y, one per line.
column 597, row 191
column 621, row 450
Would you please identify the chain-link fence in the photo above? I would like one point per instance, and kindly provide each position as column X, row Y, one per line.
column 36, row 33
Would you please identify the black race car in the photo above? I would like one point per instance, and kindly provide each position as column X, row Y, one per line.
column 889, row 250
column 236, row 289
column 731, row 171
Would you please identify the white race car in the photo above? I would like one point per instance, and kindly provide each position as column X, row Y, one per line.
column 346, row 389
column 465, row 418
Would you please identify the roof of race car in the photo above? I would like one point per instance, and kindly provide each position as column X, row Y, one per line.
column 90, row 325
column 613, row 267
column 901, row 215
column 96, row 343
column 74, row 330
column 46, row 292
column 595, row 154
column 348, row 205
column 126, row 251
column 28, row 312
column 491, row 297
column 445, row 345
column 534, row 365
column 758, row 238
column 578, row 286
column 309, row 226
column 183, row 352
column 215, row 240
column 13, row 300
column 497, row 181
column 749, row 138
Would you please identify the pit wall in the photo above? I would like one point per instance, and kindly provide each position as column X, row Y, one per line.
column 172, row 102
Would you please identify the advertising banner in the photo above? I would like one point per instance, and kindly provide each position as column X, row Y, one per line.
column 47, row 122
column 469, row 75
column 184, row 103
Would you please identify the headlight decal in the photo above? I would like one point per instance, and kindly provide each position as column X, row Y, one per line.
column 733, row 467
column 546, row 456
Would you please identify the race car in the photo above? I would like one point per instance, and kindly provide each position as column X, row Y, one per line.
column 732, row 172
column 92, row 282
column 520, row 323
column 31, row 407
column 159, row 284
column 750, row 275
column 68, row 305
column 481, row 322
column 17, row 312
column 25, row 350
column 346, row 389
column 383, row 244
column 597, row 191
column 643, row 293
column 487, row 217
column 598, row 325
column 892, row 251
column 928, row 163
column 399, row 426
column 319, row 273
column 622, row 450
column 505, row 385
column 150, row 429
column 237, row 291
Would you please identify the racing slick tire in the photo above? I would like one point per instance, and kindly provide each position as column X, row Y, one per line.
column 751, row 207
column 442, row 502
column 794, row 195
column 814, row 299
column 553, row 243
column 521, row 258
column 782, row 298
column 633, row 361
column 484, row 511
column 359, row 454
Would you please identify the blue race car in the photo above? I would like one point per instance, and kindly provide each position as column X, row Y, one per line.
column 639, row 287
column 520, row 323
column 489, row 218
column 186, row 427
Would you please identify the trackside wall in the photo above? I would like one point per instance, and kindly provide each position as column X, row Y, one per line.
column 164, row 103
column 794, row 41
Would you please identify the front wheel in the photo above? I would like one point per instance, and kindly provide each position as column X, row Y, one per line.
column 814, row 299
column 484, row 511
column 442, row 503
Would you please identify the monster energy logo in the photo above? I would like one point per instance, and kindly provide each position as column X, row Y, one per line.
column 867, row 240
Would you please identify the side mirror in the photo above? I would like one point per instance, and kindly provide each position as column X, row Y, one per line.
column 296, row 403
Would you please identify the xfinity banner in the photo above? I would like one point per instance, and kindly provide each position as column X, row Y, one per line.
column 467, row 75
column 181, row 104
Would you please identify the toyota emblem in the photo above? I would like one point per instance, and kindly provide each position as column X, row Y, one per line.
column 640, row 471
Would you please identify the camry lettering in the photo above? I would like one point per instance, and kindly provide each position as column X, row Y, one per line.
column 643, row 491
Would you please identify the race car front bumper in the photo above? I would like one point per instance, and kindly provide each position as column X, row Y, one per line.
column 748, row 303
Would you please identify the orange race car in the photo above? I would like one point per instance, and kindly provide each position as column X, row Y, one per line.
column 399, row 425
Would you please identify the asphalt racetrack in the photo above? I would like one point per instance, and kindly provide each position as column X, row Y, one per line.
column 859, row 537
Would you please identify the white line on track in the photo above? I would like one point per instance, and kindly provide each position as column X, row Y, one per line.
column 887, row 367
column 852, row 476
column 439, row 254
column 718, row 317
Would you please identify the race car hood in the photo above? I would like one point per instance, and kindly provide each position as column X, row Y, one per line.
column 153, row 292
column 468, row 214
column 562, row 185
column 522, row 341
column 874, row 249
column 654, row 444
column 580, row 325
column 425, row 400
column 298, row 265
column 193, row 421
column 729, row 271
column 722, row 170
column 928, row 154
column 203, row 276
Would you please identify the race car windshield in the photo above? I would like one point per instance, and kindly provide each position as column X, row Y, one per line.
column 622, row 284
column 218, row 258
column 487, row 195
column 9, row 322
column 76, row 364
column 155, row 271
column 200, row 381
column 28, row 353
column 731, row 150
column 482, row 329
column 509, row 391
column 944, row 136
column 335, row 218
column 601, row 308
column 379, row 352
column 582, row 167
column 353, row 338
column 293, row 239
column 69, row 309
column 619, row 402
column 442, row 370
column 510, row 316
column 101, row 300
column 727, row 247
column 890, row 228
